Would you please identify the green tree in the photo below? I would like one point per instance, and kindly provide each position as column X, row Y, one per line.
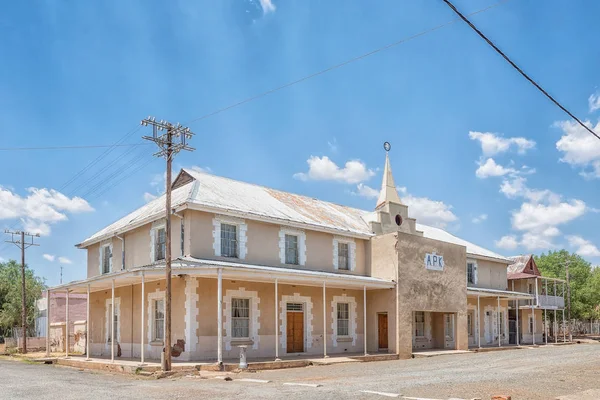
column 581, row 277
column 10, row 295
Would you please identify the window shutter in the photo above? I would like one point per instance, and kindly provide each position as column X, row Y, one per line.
column 110, row 260
column 152, row 244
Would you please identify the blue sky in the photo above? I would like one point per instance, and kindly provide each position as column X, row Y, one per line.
column 475, row 148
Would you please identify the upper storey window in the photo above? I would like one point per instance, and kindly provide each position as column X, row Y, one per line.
column 229, row 241
column 344, row 254
column 106, row 258
column 291, row 249
column 158, row 242
column 292, row 246
column 343, row 259
column 472, row 272
column 229, row 237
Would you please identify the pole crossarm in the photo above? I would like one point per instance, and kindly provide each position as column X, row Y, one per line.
column 172, row 141
column 23, row 245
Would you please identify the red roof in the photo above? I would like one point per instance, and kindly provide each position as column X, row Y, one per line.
column 520, row 275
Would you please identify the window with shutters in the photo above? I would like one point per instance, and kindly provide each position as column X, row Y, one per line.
column 240, row 318
column 471, row 273
column 291, row 249
column 106, row 255
column 343, row 319
column 419, row 324
column 160, row 244
column 159, row 320
column 343, row 259
column 229, row 241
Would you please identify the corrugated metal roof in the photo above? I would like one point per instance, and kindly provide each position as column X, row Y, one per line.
column 226, row 194
column 440, row 234
column 148, row 212
column 518, row 263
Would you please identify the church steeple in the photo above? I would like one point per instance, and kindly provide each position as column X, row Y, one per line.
column 388, row 188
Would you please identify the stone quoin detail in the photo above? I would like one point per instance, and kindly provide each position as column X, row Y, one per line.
column 242, row 238
column 308, row 319
column 191, row 312
column 254, row 315
column 301, row 244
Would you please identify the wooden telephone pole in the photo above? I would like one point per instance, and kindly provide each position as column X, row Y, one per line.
column 20, row 243
column 169, row 143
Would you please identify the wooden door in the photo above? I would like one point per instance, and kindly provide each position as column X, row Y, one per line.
column 382, row 324
column 295, row 331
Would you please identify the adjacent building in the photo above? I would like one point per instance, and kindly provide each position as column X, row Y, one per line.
column 286, row 275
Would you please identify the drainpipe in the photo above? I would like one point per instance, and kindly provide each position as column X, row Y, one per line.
column 175, row 213
column 122, row 239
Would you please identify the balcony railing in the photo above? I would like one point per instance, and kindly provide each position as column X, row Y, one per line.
column 545, row 301
column 551, row 301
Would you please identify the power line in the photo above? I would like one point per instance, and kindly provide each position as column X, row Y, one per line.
column 342, row 64
column 72, row 147
column 515, row 66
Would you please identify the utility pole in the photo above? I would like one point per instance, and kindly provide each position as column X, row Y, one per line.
column 20, row 243
column 169, row 143
column 568, row 296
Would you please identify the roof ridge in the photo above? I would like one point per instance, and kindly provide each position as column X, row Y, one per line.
column 276, row 190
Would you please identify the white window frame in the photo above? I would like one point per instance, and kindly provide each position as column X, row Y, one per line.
column 352, row 314
column 101, row 258
column 254, row 325
column 351, row 252
column 153, row 235
column 108, row 306
column 152, row 297
column 415, row 322
column 475, row 267
column 233, row 300
column 347, row 319
column 301, row 245
column 155, row 337
column 241, row 233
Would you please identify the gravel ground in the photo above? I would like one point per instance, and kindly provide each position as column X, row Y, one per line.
column 540, row 373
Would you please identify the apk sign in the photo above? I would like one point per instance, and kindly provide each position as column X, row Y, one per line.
column 434, row 262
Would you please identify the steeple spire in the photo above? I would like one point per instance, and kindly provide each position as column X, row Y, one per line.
column 388, row 188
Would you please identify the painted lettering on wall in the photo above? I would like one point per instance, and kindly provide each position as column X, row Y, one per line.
column 434, row 262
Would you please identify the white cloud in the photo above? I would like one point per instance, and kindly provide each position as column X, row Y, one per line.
column 479, row 218
column 267, row 6
column 64, row 260
column 508, row 242
column 323, row 169
column 149, row 197
column 40, row 208
column 427, row 211
column 534, row 241
column 579, row 147
column 366, row 191
column 585, row 248
column 36, row 227
column 49, row 257
column 492, row 143
column 539, row 217
column 517, row 187
column 594, row 102
column 490, row 168
column 158, row 180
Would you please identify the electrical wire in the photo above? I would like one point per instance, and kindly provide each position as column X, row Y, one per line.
column 342, row 64
column 72, row 147
column 515, row 66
